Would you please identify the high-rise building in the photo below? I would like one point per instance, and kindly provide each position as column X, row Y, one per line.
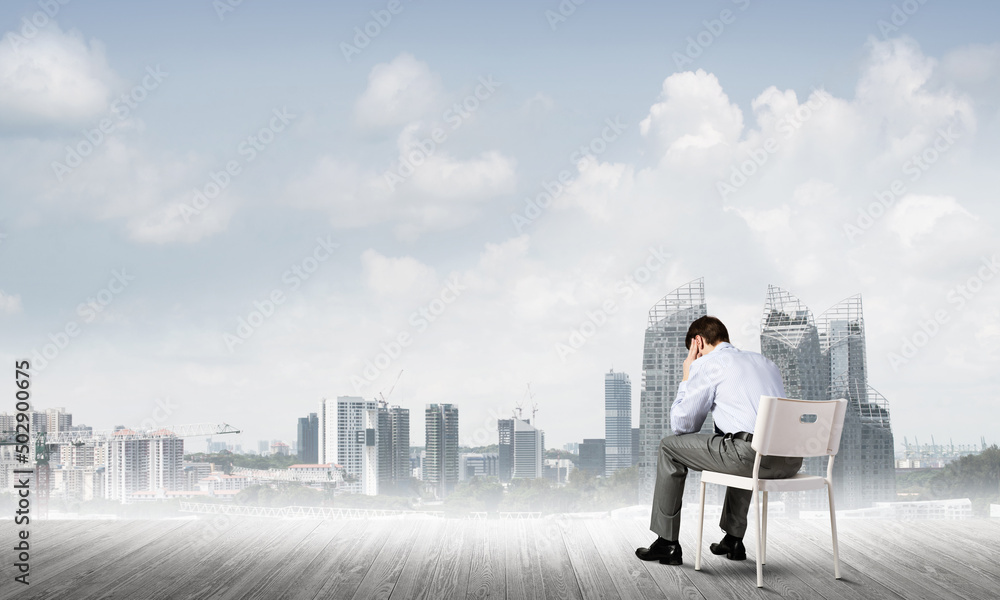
column 143, row 465
column 617, row 422
column 57, row 420
column 440, row 467
column 393, row 447
column 826, row 360
column 635, row 446
column 505, row 464
column 662, row 370
column 527, row 449
column 348, row 432
column 308, row 439
column 593, row 457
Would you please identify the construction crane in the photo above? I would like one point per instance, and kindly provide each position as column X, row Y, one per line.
column 45, row 444
column 384, row 399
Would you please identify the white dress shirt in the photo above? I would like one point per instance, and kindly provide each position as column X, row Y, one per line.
column 728, row 382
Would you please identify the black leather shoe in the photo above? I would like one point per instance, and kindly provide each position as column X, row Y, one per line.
column 732, row 547
column 668, row 553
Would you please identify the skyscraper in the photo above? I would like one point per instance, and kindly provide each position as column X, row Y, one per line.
column 593, row 456
column 348, row 432
column 505, row 465
column 662, row 370
column 827, row 361
column 393, row 447
column 143, row 465
column 440, row 468
column 308, row 439
column 528, row 445
column 617, row 422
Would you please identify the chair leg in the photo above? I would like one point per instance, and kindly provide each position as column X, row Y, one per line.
column 763, row 534
column 833, row 530
column 701, row 529
column 756, row 517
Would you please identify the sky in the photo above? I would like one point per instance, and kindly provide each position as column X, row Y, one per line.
column 224, row 212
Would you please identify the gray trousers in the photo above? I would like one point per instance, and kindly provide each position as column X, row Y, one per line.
column 708, row 452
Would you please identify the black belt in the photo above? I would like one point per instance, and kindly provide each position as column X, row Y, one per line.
column 742, row 435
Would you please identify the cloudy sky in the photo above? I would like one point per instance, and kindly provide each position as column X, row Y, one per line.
column 219, row 213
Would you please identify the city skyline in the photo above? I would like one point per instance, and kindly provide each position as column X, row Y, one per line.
column 250, row 223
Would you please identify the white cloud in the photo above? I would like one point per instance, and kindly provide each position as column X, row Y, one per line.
column 398, row 92
column 54, row 79
column 9, row 303
column 693, row 117
column 914, row 217
column 435, row 192
column 392, row 276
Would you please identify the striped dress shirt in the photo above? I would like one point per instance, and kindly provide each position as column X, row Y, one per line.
column 728, row 382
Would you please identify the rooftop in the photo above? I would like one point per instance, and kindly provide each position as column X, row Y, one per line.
column 558, row 557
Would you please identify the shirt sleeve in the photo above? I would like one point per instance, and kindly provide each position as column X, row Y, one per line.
column 694, row 401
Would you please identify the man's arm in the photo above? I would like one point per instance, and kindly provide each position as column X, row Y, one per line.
column 695, row 395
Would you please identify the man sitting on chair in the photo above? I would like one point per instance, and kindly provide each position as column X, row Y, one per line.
column 727, row 382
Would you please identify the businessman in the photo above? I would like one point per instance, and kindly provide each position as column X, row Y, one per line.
column 727, row 382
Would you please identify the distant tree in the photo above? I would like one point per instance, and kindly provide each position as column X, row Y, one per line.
column 973, row 476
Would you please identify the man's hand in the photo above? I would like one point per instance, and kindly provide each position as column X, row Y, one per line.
column 694, row 352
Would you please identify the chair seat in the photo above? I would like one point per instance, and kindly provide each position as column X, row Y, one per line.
column 796, row 483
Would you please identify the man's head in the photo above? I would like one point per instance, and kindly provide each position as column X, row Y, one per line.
column 711, row 330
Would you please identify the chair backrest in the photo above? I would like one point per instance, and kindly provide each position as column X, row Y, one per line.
column 787, row 427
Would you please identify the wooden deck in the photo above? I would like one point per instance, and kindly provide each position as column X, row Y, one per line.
column 227, row 557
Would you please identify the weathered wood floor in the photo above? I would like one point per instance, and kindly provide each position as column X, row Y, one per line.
column 228, row 557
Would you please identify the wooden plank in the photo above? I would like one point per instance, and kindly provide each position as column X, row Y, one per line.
column 897, row 574
column 131, row 577
column 276, row 559
column 283, row 582
column 631, row 579
column 104, row 547
column 521, row 562
column 421, row 562
column 451, row 573
column 928, row 554
column 811, row 557
column 229, row 558
column 383, row 573
column 558, row 578
column 681, row 581
column 592, row 575
column 487, row 574
column 337, row 570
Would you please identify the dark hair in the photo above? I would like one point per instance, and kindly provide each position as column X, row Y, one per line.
column 709, row 328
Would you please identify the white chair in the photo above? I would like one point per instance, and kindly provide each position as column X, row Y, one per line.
column 792, row 428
